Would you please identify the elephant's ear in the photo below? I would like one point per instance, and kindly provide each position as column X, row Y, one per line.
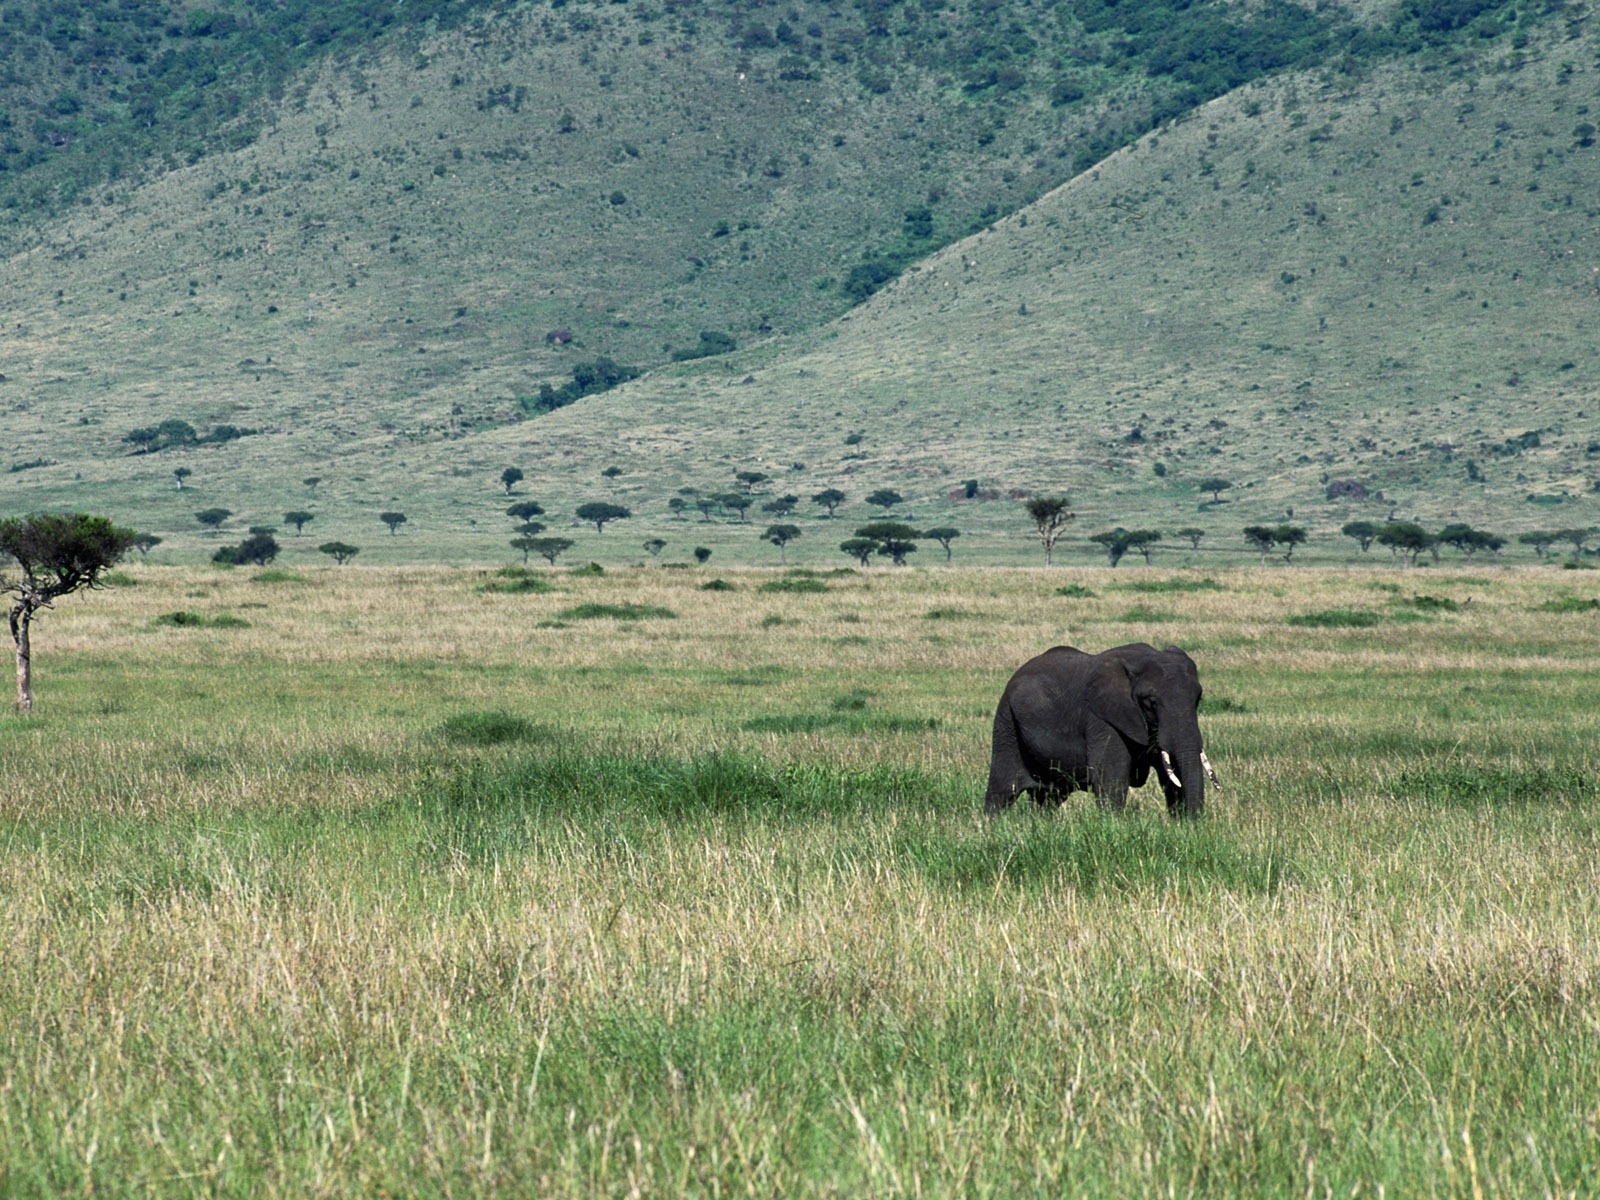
column 1111, row 699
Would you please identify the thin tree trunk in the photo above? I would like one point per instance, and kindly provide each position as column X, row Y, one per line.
column 19, row 630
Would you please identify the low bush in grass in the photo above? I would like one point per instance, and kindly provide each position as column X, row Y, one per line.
column 1335, row 618
column 950, row 614
column 277, row 575
column 185, row 619
column 616, row 612
column 718, row 585
column 1221, row 704
column 1074, row 591
column 1430, row 604
column 1141, row 615
column 516, row 581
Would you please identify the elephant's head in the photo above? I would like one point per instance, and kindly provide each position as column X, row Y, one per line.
column 1156, row 703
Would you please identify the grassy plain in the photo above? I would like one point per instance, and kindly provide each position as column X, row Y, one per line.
column 424, row 881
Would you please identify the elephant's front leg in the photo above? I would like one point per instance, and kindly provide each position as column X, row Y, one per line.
column 1110, row 765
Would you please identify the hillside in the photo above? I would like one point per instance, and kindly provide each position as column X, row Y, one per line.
column 1374, row 273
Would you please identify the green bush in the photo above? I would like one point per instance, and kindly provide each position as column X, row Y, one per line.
column 184, row 619
column 802, row 585
column 619, row 612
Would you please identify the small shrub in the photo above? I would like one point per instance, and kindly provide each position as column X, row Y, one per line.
column 492, row 728
column 1142, row 615
column 618, row 612
column 949, row 614
column 773, row 620
column 593, row 568
column 1335, row 618
column 802, row 585
column 517, row 585
column 277, row 575
column 718, row 585
column 1075, row 591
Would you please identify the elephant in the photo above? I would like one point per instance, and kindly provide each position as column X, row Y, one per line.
column 1070, row 720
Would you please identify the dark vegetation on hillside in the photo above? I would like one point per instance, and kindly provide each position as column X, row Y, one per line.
column 93, row 92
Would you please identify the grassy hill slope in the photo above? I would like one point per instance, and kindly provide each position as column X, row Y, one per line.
column 1376, row 275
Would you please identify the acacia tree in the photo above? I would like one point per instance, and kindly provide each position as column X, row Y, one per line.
column 54, row 555
column 885, row 498
column 1144, row 540
column 780, row 536
column 510, row 477
column 1290, row 536
column 1193, row 533
column 299, row 518
column 944, row 535
column 212, row 518
column 601, row 514
column 1362, row 531
column 550, row 548
column 1216, row 486
column 892, row 539
column 737, row 502
column 1540, row 539
column 749, row 479
column 654, row 546
column 180, row 474
column 860, row 548
column 1261, row 538
column 1405, row 538
column 340, row 552
column 393, row 520
column 1114, row 542
column 1050, row 518
column 830, row 499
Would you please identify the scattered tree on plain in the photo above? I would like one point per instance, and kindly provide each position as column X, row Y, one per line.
column 611, row 475
column 551, row 548
column 654, row 546
column 749, row 479
column 52, row 555
column 780, row 536
column 1113, row 541
column 601, row 513
column 702, row 555
column 830, row 499
column 393, row 520
column 736, row 502
column 893, row 540
column 860, row 548
column 1290, row 536
column 1193, row 533
column 1577, row 537
column 525, row 510
column 510, row 477
column 212, row 518
column 1261, row 538
column 780, row 506
column 885, row 498
column 311, row 482
column 1363, row 532
column 1216, row 485
column 299, row 518
column 1050, row 518
column 340, row 552
column 259, row 549
column 1540, row 539
column 145, row 542
column 1405, row 538
column 526, row 542
column 707, row 505
column 1144, row 541
column 944, row 535
column 180, row 474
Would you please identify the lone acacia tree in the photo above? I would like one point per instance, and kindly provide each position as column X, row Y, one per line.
column 601, row 514
column 299, row 518
column 510, row 477
column 55, row 554
column 393, row 520
column 944, row 535
column 830, row 499
column 1050, row 517
column 780, row 536
column 340, row 552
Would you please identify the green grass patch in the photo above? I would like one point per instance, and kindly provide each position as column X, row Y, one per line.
column 804, row 585
column 1568, row 604
column 846, row 720
column 1157, row 587
column 185, row 619
column 1477, row 786
column 1074, row 591
column 1335, row 618
column 951, row 614
column 277, row 575
column 492, row 728
column 1431, row 604
column 718, row 585
column 1143, row 615
column 617, row 612
column 1090, row 852
column 1210, row 703
column 517, row 581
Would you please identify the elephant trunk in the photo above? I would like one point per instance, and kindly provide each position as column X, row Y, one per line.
column 1182, row 763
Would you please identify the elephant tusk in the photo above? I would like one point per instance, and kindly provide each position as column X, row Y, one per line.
column 1166, row 766
column 1206, row 763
